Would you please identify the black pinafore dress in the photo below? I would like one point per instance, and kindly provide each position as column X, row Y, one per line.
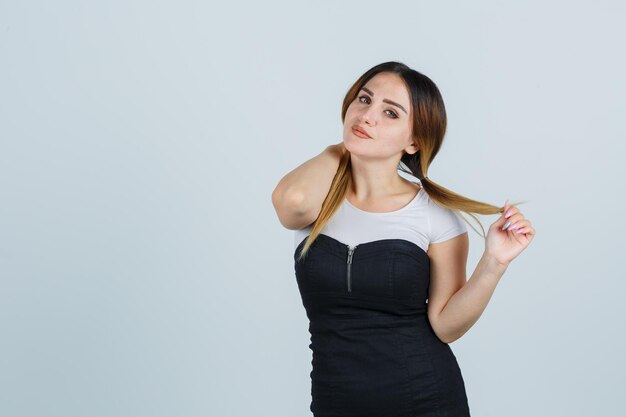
column 374, row 350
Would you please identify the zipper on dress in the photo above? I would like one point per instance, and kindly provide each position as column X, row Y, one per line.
column 349, row 261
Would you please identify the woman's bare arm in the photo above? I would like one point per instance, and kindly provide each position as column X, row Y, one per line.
column 299, row 195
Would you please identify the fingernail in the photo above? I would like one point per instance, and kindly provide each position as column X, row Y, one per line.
column 508, row 214
column 514, row 226
column 506, row 225
column 522, row 230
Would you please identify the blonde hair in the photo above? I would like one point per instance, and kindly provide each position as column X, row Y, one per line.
column 429, row 127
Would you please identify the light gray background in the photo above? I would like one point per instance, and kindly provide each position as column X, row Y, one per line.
column 143, row 270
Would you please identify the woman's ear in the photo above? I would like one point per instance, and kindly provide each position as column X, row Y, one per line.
column 411, row 149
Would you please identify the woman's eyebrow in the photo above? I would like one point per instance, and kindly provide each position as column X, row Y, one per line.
column 368, row 91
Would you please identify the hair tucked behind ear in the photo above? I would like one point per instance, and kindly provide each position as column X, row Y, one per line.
column 429, row 127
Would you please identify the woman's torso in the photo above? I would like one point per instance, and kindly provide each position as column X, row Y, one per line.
column 364, row 286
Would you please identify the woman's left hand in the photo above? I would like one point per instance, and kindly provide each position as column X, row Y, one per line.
column 505, row 245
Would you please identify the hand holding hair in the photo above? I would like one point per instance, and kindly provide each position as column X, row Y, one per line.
column 509, row 235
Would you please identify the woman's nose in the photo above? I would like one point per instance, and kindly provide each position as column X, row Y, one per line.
column 367, row 116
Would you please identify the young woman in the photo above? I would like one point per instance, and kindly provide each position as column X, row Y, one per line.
column 380, row 261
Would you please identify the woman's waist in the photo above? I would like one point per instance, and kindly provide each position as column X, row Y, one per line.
column 372, row 336
column 333, row 308
column 375, row 321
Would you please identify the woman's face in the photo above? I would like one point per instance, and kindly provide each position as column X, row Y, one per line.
column 388, row 124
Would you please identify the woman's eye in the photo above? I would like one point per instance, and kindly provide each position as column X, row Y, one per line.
column 395, row 116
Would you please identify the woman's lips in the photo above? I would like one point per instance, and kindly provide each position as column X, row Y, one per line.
column 360, row 133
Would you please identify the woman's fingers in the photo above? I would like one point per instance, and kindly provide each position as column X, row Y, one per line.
column 517, row 224
column 510, row 216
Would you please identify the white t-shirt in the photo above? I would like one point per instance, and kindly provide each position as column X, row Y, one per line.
column 421, row 221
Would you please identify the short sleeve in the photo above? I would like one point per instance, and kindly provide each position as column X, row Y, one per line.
column 444, row 223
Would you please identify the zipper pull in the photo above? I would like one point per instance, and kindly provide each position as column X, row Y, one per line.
column 349, row 262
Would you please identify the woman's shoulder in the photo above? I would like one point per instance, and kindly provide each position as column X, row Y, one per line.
column 444, row 222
